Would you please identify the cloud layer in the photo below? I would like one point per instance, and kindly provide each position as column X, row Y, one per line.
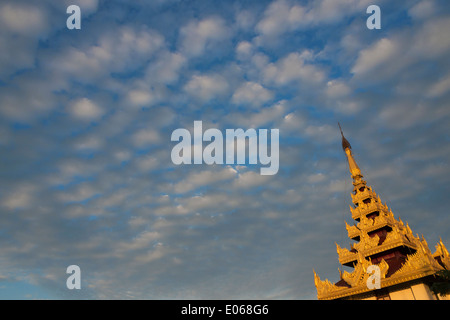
column 87, row 115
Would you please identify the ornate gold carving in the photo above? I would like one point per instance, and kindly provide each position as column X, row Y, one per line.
column 442, row 254
column 344, row 254
column 361, row 195
column 359, row 275
column 421, row 259
column 417, row 265
column 366, row 208
column 366, row 242
column 365, row 223
column 384, row 267
column 353, row 231
column 398, row 236
column 323, row 286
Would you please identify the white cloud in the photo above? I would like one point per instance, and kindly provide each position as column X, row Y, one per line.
column 281, row 16
column 292, row 122
column 23, row 20
column 20, row 197
column 171, row 210
column 252, row 94
column 321, row 133
column 141, row 241
column 67, row 169
column 119, row 49
column 140, row 97
column 196, row 36
column 259, row 117
column 439, row 88
column 315, row 178
column 85, row 109
column 337, row 186
column 397, row 55
column 245, row 19
column 116, row 198
column 145, row 137
column 122, row 155
column 88, row 143
column 166, row 68
column 87, row 7
column 250, row 179
column 78, row 193
column 244, row 50
column 284, row 16
column 21, row 28
column 202, row 178
column 206, row 87
column 432, row 40
column 383, row 51
column 337, row 89
column 405, row 114
column 210, row 203
column 423, row 9
column 147, row 163
column 293, row 67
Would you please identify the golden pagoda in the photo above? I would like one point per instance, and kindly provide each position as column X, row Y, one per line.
column 406, row 267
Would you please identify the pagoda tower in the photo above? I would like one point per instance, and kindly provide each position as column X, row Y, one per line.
column 403, row 261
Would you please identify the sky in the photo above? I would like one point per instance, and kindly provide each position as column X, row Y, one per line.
column 86, row 118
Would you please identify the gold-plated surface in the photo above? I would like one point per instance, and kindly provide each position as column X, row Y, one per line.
column 377, row 232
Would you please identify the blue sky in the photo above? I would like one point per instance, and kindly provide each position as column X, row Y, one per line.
column 86, row 118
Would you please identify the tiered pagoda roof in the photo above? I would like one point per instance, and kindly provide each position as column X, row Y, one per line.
column 380, row 239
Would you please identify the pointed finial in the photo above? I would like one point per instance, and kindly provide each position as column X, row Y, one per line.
column 345, row 143
column 342, row 134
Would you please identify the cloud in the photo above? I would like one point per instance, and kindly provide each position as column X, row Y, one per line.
column 88, row 143
column 85, row 109
column 423, row 9
column 251, row 93
column 147, row 163
column 379, row 54
column 21, row 27
column 21, row 197
column 250, row 179
column 145, row 136
column 23, row 20
column 87, row 7
column 337, row 89
column 259, row 118
column 119, row 49
column 140, row 97
column 78, row 193
column 293, row 67
column 167, row 68
column 203, row 178
column 285, row 16
column 206, row 87
column 441, row 87
column 385, row 59
column 281, row 16
column 199, row 36
column 244, row 49
column 86, row 119
column 431, row 40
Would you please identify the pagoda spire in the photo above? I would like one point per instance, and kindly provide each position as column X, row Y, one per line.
column 405, row 263
column 353, row 167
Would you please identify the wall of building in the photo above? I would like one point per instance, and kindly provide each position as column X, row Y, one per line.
column 412, row 291
column 418, row 291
